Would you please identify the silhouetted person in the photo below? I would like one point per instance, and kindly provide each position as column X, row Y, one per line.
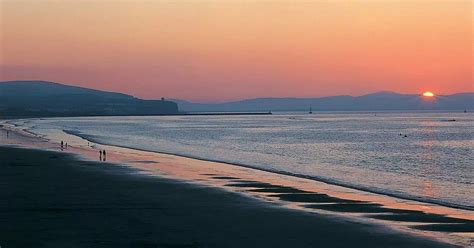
column 100, row 155
column 62, row 144
column 105, row 155
column 66, row 145
column 8, row 133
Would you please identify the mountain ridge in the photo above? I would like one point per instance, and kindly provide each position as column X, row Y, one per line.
column 383, row 100
column 36, row 98
column 31, row 87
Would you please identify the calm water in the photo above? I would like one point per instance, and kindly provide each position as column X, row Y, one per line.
column 435, row 163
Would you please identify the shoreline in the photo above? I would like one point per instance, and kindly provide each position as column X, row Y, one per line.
column 59, row 200
column 175, row 167
column 314, row 178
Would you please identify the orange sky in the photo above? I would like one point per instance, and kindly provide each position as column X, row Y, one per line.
column 217, row 50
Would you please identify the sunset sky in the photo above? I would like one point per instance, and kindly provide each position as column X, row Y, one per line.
column 234, row 49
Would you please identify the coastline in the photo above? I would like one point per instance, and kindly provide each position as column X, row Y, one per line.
column 60, row 201
column 285, row 173
column 274, row 188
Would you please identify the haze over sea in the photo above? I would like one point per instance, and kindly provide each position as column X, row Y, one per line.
column 361, row 150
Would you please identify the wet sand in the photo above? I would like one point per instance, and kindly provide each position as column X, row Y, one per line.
column 54, row 199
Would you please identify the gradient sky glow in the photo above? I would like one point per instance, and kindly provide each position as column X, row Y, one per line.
column 219, row 50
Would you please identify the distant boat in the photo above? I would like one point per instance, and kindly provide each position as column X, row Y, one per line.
column 310, row 110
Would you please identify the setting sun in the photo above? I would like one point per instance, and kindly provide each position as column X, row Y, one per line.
column 428, row 94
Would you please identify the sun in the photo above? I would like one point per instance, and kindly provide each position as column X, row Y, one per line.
column 428, row 94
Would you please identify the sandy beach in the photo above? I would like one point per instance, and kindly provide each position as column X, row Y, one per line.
column 52, row 199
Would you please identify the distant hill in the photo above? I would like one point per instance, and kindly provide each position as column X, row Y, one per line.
column 371, row 102
column 41, row 98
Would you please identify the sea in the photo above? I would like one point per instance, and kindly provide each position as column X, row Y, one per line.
column 423, row 156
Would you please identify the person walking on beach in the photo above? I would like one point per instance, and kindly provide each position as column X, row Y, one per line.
column 66, row 145
column 105, row 155
column 8, row 133
column 100, row 155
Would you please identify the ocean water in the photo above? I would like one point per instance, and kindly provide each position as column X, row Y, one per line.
column 434, row 163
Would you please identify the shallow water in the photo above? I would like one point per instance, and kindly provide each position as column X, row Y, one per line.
column 434, row 163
